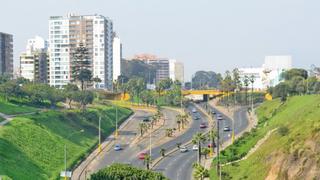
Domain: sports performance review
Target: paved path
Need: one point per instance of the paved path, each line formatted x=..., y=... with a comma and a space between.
x=9, y=118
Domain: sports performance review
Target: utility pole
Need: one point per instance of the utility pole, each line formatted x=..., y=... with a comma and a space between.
x=116, y=133
x=218, y=148
x=100, y=149
x=65, y=162
x=150, y=144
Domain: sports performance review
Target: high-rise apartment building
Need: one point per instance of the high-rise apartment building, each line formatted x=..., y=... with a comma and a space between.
x=66, y=33
x=117, y=56
x=34, y=61
x=163, y=68
x=176, y=70
x=6, y=54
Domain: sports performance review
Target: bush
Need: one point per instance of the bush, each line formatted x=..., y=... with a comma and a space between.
x=283, y=130
x=126, y=172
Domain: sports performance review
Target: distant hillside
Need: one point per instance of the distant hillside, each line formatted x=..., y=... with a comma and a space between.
x=292, y=151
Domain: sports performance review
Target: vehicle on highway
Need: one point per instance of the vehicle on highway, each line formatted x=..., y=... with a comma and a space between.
x=213, y=112
x=194, y=110
x=117, y=147
x=183, y=149
x=146, y=120
x=195, y=147
x=196, y=117
x=203, y=125
x=220, y=118
x=142, y=155
x=227, y=128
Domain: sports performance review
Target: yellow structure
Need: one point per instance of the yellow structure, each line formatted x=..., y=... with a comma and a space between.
x=202, y=92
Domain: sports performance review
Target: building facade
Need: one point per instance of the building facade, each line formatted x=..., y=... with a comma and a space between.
x=117, y=56
x=163, y=68
x=176, y=70
x=66, y=33
x=34, y=61
x=269, y=75
x=6, y=54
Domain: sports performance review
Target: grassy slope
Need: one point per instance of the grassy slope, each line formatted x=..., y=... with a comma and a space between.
x=32, y=147
x=10, y=108
x=300, y=114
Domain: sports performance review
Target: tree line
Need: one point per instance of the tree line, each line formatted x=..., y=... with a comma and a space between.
x=295, y=82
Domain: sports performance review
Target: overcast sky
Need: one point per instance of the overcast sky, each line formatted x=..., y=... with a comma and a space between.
x=204, y=34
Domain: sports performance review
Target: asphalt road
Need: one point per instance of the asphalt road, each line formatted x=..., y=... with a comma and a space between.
x=178, y=166
x=130, y=151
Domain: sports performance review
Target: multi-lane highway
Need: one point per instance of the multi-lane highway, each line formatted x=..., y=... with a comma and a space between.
x=130, y=147
x=178, y=166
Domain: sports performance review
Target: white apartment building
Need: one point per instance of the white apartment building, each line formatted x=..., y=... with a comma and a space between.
x=176, y=70
x=66, y=33
x=269, y=75
x=34, y=61
x=117, y=56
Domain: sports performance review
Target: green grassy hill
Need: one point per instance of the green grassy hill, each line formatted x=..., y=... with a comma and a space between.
x=291, y=152
x=32, y=146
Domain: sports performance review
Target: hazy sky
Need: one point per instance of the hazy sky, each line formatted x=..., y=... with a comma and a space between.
x=204, y=34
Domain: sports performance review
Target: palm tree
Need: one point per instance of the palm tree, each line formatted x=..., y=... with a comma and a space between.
x=212, y=136
x=198, y=139
x=199, y=172
x=205, y=152
x=252, y=78
x=246, y=84
x=147, y=161
x=162, y=152
x=142, y=127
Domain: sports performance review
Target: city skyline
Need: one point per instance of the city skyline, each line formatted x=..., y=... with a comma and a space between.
x=217, y=35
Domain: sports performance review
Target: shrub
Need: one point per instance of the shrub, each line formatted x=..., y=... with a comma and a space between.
x=123, y=171
x=283, y=130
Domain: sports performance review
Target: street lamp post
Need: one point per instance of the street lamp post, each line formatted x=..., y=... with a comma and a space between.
x=116, y=133
x=65, y=153
x=100, y=149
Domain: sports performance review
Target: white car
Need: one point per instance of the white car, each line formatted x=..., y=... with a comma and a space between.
x=183, y=149
x=227, y=128
x=194, y=110
x=195, y=147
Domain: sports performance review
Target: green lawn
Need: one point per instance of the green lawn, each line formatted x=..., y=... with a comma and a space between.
x=300, y=114
x=11, y=108
x=32, y=146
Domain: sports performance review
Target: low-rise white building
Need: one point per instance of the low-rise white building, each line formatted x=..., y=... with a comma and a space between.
x=269, y=75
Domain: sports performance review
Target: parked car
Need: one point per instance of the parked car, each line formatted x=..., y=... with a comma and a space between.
x=203, y=125
x=183, y=149
x=195, y=147
x=117, y=147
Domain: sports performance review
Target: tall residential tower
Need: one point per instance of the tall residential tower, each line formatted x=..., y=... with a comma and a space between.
x=65, y=35
x=6, y=54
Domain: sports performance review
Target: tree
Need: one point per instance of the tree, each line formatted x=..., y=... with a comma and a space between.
x=236, y=81
x=198, y=139
x=199, y=172
x=54, y=96
x=147, y=161
x=125, y=172
x=205, y=151
x=289, y=74
x=81, y=65
x=212, y=136
x=142, y=128
x=246, y=84
x=206, y=80
x=69, y=91
x=84, y=98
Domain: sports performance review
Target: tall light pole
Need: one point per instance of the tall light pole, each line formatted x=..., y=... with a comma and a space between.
x=150, y=143
x=116, y=133
x=100, y=149
x=65, y=153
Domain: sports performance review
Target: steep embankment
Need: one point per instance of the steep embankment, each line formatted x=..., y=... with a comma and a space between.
x=32, y=146
x=292, y=151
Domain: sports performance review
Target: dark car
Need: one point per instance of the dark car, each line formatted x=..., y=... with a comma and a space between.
x=203, y=125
